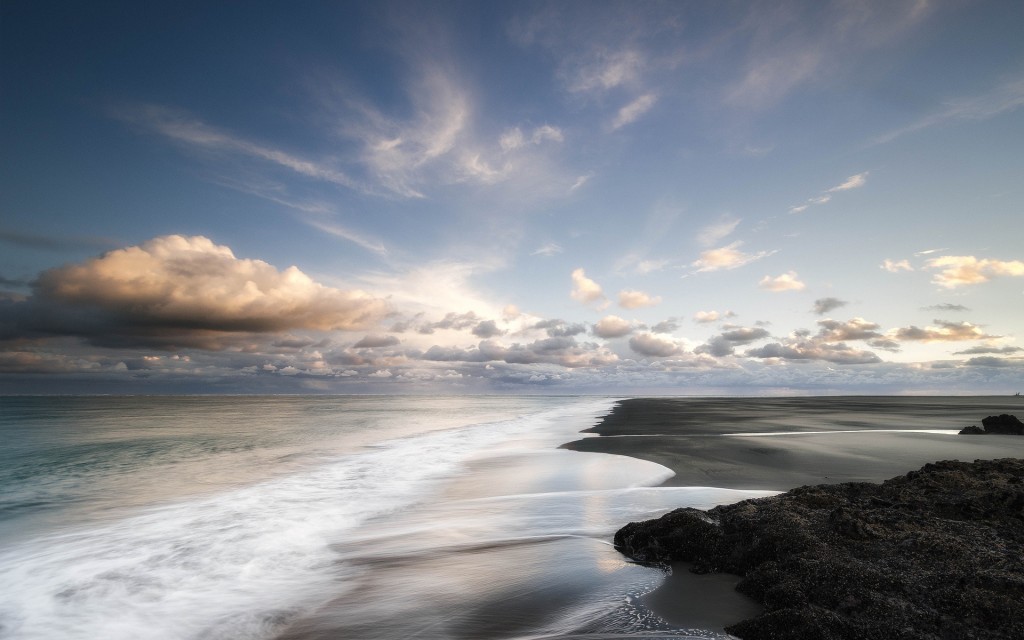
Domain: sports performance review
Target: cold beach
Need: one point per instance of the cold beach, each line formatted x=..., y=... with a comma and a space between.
x=391, y=517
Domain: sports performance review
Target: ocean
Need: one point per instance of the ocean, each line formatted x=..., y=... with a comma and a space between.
x=321, y=517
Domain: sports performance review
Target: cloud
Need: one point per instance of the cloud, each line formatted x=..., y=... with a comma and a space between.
x=788, y=281
x=666, y=326
x=514, y=138
x=893, y=266
x=716, y=231
x=183, y=128
x=548, y=249
x=1005, y=98
x=989, y=361
x=854, y=329
x=604, y=70
x=727, y=257
x=190, y=283
x=812, y=350
x=612, y=327
x=725, y=344
x=648, y=345
x=376, y=342
x=341, y=232
x=824, y=305
x=632, y=111
x=487, y=329
x=584, y=289
x=560, y=328
x=853, y=182
x=956, y=271
x=705, y=317
x=560, y=351
x=944, y=332
x=984, y=349
x=636, y=299
x=53, y=243
x=946, y=307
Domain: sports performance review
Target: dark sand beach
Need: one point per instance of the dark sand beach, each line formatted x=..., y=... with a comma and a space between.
x=783, y=443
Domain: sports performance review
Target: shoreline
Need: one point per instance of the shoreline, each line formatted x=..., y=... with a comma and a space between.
x=699, y=441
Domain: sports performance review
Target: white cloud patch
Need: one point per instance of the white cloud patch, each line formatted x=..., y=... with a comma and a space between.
x=853, y=182
x=633, y=111
x=895, y=266
x=629, y=299
x=957, y=271
x=584, y=289
x=612, y=327
x=706, y=317
x=548, y=249
x=727, y=257
x=192, y=283
x=788, y=281
x=717, y=231
x=604, y=70
x=514, y=138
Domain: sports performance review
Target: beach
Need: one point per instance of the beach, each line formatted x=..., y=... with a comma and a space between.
x=783, y=443
x=313, y=518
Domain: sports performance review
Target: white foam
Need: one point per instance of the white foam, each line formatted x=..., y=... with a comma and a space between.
x=238, y=564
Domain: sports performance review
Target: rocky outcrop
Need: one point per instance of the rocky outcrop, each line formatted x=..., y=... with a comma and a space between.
x=937, y=553
x=1002, y=424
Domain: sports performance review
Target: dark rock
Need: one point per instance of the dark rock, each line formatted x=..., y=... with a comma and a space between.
x=972, y=430
x=937, y=553
x=1004, y=424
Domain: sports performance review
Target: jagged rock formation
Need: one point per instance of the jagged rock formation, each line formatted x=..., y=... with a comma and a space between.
x=937, y=553
x=1002, y=424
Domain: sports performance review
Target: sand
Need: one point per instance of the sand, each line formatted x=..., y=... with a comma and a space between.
x=780, y=444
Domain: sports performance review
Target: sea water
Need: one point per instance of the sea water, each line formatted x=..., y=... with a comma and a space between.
x=321, y=517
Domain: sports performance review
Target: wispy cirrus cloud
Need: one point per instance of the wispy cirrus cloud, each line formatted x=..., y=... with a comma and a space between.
x=853, y=182
x=339, y=231
x=1005, y=98
x=181, y=127
x=633, y=111
x=717, y=231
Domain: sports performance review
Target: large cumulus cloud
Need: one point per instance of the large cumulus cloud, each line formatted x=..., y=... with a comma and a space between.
x=191, y=283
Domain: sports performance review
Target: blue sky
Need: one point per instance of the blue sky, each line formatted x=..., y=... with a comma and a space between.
x=640, y=197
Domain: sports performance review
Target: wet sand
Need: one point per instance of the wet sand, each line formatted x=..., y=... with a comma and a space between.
x=783, y=443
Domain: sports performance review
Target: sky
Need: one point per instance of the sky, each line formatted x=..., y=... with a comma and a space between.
x=710, y=198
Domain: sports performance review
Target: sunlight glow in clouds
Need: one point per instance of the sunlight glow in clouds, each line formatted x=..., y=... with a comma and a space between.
x=584, y=289
x=727, y=257
x=956, y=271
x=436, y=171
x=191, y=282
x=788, y=281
